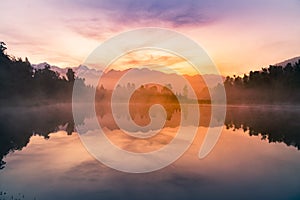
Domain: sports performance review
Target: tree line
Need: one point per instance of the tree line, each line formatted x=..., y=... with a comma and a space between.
x=22, y=84
x=274, y=84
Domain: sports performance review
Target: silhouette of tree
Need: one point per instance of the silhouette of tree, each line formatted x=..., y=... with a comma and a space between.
x=2, y=47
x=71, y=75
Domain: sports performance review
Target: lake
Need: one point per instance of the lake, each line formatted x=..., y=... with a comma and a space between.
x=256, y=157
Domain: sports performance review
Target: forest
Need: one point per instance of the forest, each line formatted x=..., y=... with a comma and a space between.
x=21, y=84
x=275, y=84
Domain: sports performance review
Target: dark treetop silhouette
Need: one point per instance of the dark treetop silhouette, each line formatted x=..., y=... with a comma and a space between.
x=272, y=123
x=22, y=84
x=275, y=84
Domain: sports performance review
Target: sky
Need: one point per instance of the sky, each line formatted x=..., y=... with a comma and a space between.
x=239, y=36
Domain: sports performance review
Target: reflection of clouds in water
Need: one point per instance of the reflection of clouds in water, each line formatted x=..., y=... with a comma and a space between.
x=138, y=145
x=127, y=155
x=162, y=138
x=90, y=171
x=108, y=179
x=141, y=145
x=120, y=151
x=238, y=163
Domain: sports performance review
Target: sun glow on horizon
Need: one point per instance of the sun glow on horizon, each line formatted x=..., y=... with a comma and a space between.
x=155, y=60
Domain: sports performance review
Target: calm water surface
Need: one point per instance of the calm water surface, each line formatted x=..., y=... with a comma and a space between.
x=257, y=156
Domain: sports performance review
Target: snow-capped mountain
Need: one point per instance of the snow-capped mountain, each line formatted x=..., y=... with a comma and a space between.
x=291, y=60
x=137, y=76
x=91, y=76
x=61, y=71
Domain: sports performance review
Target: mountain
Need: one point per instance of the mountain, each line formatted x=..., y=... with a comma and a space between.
x=61, y=71
x=291, y=60
x=137, y=76
x=91, y=76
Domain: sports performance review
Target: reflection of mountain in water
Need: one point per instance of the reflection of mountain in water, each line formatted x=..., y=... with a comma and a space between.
x=273, y=123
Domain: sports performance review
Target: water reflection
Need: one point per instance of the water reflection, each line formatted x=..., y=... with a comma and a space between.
x=19, y=124
x=60, y=167
x=273, y=123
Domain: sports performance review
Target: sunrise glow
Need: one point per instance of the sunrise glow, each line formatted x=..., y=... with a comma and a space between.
x=237, y=35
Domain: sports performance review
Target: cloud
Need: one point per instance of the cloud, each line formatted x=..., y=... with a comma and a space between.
x=176, y=12
x=99, y=20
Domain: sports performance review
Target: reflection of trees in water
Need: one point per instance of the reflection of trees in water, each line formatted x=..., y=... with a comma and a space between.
x=138, y=112
x=273, y=124
x=19, y=124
